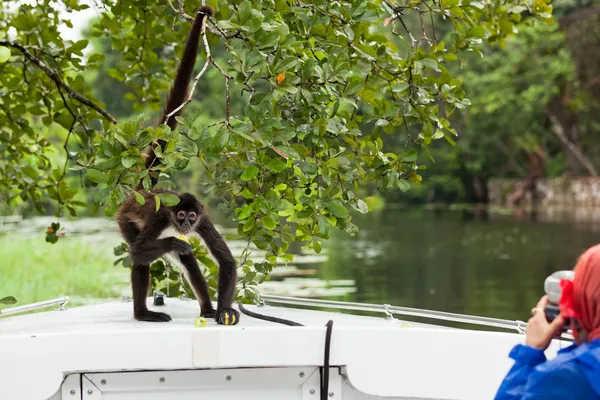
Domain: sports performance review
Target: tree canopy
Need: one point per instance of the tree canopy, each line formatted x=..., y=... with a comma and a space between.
x=310, y=91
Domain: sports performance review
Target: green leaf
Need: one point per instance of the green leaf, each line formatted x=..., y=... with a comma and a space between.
x=317, y=247
x=476, y=32
x=244, y=11
x=336, y=208
x=4, y=54
x=245, y=212
x=276, y=166
x=269, y=222
x=287, y=64
x=400, y=86
x=355, y=85
x=430, y=63
x=129, y=161
x=220, y=140
x=247, y=194
x=168, y=199
x=438, y=134
x=157, y=202
x=8, y=300
x=403, y=185
x=410, y=156
x=96, y=176
x=139, y=198
x=250, y=173
x=362, y=206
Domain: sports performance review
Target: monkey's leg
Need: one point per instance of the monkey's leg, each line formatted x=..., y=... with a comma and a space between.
x=225, y=315
x=227, y=281
x=140, y=283
x=194, y=276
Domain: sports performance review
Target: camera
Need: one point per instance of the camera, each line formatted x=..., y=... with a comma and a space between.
x=554, y=292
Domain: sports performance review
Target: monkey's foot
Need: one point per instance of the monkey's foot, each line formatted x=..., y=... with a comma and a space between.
x=227, y=316
x=152, y=316
x=209, y=313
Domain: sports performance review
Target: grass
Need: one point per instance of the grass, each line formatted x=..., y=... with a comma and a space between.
x=33, y=270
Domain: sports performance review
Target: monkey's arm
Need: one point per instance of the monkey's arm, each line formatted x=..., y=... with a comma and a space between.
x=145, y=251
x=227, y=271
x=147, y=247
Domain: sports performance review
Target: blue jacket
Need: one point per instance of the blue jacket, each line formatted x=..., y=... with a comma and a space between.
x=574, y=374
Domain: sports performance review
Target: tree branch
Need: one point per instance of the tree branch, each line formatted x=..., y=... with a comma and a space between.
x=558, y=129
x=59, y=82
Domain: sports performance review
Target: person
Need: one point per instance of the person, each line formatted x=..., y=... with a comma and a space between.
x=574, y=373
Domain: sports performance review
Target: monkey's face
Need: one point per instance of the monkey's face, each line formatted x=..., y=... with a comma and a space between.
x=186, y=220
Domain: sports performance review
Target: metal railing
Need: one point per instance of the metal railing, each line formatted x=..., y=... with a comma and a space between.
x=60, y=301
x=386, y=309
x=390, y=310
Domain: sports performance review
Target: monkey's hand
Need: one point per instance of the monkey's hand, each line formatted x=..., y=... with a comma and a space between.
x=179, y=246
x=153, y=316
x=208, y=313
x=227, y=316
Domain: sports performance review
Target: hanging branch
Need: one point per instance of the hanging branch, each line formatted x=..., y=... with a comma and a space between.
x=59, y=82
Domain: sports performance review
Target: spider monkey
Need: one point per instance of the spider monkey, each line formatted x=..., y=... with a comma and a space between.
x=151, y=234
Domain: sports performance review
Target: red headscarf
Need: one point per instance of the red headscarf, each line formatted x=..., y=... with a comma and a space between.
x=581, y=298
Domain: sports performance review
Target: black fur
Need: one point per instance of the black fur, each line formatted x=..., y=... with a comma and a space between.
x=141, y=225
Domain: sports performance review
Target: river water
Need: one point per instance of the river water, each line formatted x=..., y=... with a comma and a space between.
x=458, y=261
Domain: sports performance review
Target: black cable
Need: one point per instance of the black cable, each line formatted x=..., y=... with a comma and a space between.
x=325, y=368
x=267, y=317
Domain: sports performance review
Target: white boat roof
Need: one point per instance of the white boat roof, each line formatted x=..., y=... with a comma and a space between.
x=118, y=315
x=430, y=361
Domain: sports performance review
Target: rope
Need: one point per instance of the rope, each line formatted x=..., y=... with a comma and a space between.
x=325, y=369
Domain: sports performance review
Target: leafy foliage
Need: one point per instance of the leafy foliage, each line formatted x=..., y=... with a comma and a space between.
x=323, y=83
x=510, y=90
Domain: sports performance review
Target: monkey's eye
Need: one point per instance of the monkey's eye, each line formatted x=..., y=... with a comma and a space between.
x=192, y=216
x=181, y=215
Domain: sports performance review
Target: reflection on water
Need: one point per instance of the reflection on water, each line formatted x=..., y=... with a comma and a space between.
x=457, y=261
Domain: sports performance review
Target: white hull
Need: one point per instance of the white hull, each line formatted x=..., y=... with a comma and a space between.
x=99, y=352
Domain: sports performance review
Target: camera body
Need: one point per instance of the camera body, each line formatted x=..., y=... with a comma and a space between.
x=554, y=292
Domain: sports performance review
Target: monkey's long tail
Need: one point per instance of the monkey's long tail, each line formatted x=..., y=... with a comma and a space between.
x=180, y=88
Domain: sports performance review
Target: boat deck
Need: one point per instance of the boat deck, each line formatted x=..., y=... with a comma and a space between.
x=118, y=315
x=378, y=356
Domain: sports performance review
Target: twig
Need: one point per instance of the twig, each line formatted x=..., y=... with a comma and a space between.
x=180, y=11
x=54, y=76
x=217, y=30
x=227, y=102
x=75, y=117
x=215, y=124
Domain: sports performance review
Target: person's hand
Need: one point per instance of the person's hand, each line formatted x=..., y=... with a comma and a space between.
x=539, y=332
